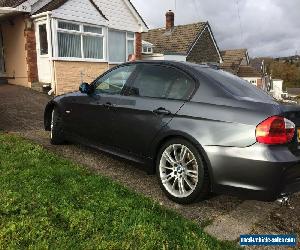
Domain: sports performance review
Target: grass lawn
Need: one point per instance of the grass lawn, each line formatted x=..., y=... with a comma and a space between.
x=49, y=202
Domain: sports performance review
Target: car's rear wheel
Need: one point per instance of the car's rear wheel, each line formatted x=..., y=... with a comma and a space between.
x=56, y=132
x=181, y=171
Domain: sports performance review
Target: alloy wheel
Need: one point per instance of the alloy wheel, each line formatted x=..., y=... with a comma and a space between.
x=178, y=169
x=52, y=124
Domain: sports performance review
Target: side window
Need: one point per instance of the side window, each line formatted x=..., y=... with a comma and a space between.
x=113, y=82
x=158, y=81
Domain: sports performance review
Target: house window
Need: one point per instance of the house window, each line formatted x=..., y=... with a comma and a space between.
x=130, y=43
x=43, y=39
x=120, y=45
x=80, y=41
x=147, y=50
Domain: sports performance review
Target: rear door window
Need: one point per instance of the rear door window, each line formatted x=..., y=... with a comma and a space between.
x=157, y=81
x=235, y=85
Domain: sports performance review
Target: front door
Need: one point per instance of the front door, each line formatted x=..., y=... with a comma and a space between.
x=155, y=97
x=42, y=48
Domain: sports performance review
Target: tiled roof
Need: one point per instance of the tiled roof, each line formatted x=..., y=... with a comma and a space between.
x=52, y=5
x=178, y=40
x=11, y=3
x=232, y=59
x=248, y=71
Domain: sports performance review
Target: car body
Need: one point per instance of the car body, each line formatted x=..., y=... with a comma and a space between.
x=215, y=112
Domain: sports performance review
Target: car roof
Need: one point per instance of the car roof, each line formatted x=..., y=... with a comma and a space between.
x=175, y=63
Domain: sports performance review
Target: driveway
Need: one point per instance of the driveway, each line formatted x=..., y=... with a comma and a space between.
x=21, y=109
x=225, y=217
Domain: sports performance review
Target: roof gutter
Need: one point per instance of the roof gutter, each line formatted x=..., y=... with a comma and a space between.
x=10, y=10
x=47, y=13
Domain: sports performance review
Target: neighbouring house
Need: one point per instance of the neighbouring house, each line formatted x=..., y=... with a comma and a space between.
x=61, y=43
x=276, y=89
x=233, y=59
x=192, y=43
x=251, y=75
x=237, y=62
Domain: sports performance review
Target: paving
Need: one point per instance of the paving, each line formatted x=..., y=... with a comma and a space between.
x=21, y=109
x=224, y=217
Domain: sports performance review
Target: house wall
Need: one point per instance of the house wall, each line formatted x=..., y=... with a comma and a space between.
x=256, y=81
x=69, y=74
x=277, y=89
x=138, y=45
x=204, y=51
x=80, y=11
x=119, y=15
x=14, y=50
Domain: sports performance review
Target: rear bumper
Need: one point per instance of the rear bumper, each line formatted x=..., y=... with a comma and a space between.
x=257, y=172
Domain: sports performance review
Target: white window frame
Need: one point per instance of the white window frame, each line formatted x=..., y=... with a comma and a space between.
x=81, y=33
x=130, y=39
x=126, y=45
x=146, y=51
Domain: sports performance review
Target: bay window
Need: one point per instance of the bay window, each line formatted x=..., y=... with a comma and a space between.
x=120, y=45
x=80, y=41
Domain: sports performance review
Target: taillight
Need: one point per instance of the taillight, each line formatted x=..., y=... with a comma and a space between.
x=275, y=130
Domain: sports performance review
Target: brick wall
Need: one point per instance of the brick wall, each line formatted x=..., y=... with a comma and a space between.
x=30, y=50
x=69, y=75
x=204, y=51
x=138, y=45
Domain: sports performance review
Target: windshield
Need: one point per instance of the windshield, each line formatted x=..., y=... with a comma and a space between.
x=235, y=85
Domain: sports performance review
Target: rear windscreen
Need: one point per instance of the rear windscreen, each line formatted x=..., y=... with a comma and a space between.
x=235, y=85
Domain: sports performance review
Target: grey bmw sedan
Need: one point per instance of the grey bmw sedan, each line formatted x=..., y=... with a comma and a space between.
x=198, y=128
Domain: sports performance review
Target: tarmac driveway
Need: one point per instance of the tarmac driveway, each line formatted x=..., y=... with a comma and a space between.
x=21, y=112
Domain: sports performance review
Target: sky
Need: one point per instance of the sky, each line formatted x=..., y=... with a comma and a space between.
x=264, y=27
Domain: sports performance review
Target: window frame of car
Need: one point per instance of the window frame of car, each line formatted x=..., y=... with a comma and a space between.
x=165, y=65
x=125, y=86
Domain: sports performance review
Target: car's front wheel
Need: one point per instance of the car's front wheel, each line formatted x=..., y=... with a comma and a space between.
x=56, y=132
x=181, y=171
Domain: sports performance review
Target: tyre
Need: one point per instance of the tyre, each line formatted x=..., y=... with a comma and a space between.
x=56, y=132
x=182, y=173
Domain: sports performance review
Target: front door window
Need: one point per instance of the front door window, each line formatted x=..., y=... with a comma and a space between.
x=113, y=82
x=43, y=39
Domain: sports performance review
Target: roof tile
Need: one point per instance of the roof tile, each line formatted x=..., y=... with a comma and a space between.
x=177, y=40
x=11, y=3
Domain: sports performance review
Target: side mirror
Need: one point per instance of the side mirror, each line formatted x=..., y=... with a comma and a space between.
x=86, y=88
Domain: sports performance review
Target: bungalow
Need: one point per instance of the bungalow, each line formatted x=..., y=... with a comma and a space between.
x=192, y=43
x=237, y=62
x=60, y=43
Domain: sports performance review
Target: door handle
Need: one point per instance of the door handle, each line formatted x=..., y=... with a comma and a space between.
x=161, y=111
x=108, y=105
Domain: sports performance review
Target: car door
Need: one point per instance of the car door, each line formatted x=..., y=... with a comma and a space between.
x=156, y=94
x=90, y=115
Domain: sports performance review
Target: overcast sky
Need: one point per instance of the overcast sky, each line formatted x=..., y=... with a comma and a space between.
x=266, y=27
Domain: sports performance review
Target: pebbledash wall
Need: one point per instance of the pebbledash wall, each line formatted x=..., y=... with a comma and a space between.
x=14, y=51
x=70, y=74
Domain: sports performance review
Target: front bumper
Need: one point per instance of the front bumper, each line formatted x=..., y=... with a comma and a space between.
x=258, y=172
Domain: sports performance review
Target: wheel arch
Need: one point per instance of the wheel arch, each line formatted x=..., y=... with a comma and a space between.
x=177, y=134
x=47, y=114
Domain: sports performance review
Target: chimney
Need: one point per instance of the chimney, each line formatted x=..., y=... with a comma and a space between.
x=170, y=20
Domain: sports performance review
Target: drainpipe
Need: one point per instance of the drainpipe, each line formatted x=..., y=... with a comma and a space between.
x=50, y=51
